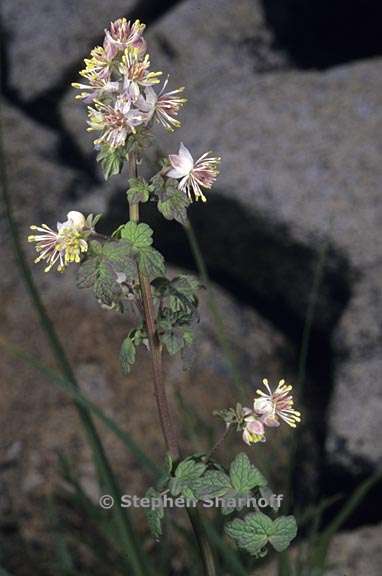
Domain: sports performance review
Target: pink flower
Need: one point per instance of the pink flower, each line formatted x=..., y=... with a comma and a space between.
x=116, y=122
x=136, y=73
x=123, y=34
x=253, y=431
x=96, y=89
x=163, y=106
x=193, y=175
x=277, y=404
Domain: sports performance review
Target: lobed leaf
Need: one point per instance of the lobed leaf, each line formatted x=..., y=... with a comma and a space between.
x=245, y=476
x=139, y=235
x=284, y=531
x=256, y=530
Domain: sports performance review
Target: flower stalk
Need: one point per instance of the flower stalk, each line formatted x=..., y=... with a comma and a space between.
x=165, y=417
x=167, y=425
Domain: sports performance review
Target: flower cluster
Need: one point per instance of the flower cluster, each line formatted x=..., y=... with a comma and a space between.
x=124, y=104
x=120, y=87
x=268, y=408
x=67, y=244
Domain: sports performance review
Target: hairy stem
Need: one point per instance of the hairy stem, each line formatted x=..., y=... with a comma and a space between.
x=219, y=442
x=167, y=425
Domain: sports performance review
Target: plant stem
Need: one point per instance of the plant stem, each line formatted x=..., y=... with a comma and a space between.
x=167, y=425
x=219, y=442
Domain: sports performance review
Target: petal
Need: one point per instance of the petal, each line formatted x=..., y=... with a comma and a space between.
x=186, y=157
x=270, y=421
x=176, y=173
x=255, y=427
x=262, y=406
x=76, y=219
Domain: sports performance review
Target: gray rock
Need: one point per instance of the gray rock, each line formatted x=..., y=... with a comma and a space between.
x=352, y=553
x=301, y=156
x=43, y=44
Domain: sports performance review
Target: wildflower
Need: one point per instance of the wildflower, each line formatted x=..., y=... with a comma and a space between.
x=116, y=122
x=100, y=63
x=96, y=89
x=193, y=175
x=64, y=246
x=163, y=106
x=123, y=34
x=277, y=404
x=135, y=72
x=253, y=431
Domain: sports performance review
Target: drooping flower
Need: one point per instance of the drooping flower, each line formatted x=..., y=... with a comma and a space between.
x=253, y=430
x=193, y=175
x=64, y=246
x=163, y=106
x=123, y=34
x=135, y=72
x=271, y=406
x=116, y=122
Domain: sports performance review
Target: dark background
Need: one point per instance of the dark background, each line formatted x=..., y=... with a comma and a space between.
x=288, y=92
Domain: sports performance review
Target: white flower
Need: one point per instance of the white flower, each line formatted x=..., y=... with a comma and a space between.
x=64, y=246
x=277, y=404
x=193, y=175
x=164, y=107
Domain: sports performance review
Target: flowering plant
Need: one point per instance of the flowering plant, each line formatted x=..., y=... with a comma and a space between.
x=125, y=271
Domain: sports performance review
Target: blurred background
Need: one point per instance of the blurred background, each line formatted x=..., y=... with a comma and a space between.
x=289, y=94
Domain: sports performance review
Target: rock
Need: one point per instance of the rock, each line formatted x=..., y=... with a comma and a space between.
x=300, y=170
x=356, y=552
x=44, y=45
x=350, y=554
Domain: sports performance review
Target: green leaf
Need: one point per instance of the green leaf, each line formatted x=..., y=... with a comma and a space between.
x=106, y=289
x=155, y=513
x=118, y=255
x=256, y=530
x=127, y=355
x=174, y=207
x=213, y=484
x=139, y=190
x=186, y=473
x=111, y=160
x=186, y=285
x=168, y=463
x=252, y=533
x=105, y=268
x=189, y=469
x=173, y=341
x=284, y=531
x=151, y=262
x=139, y=235
x=245, y=476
